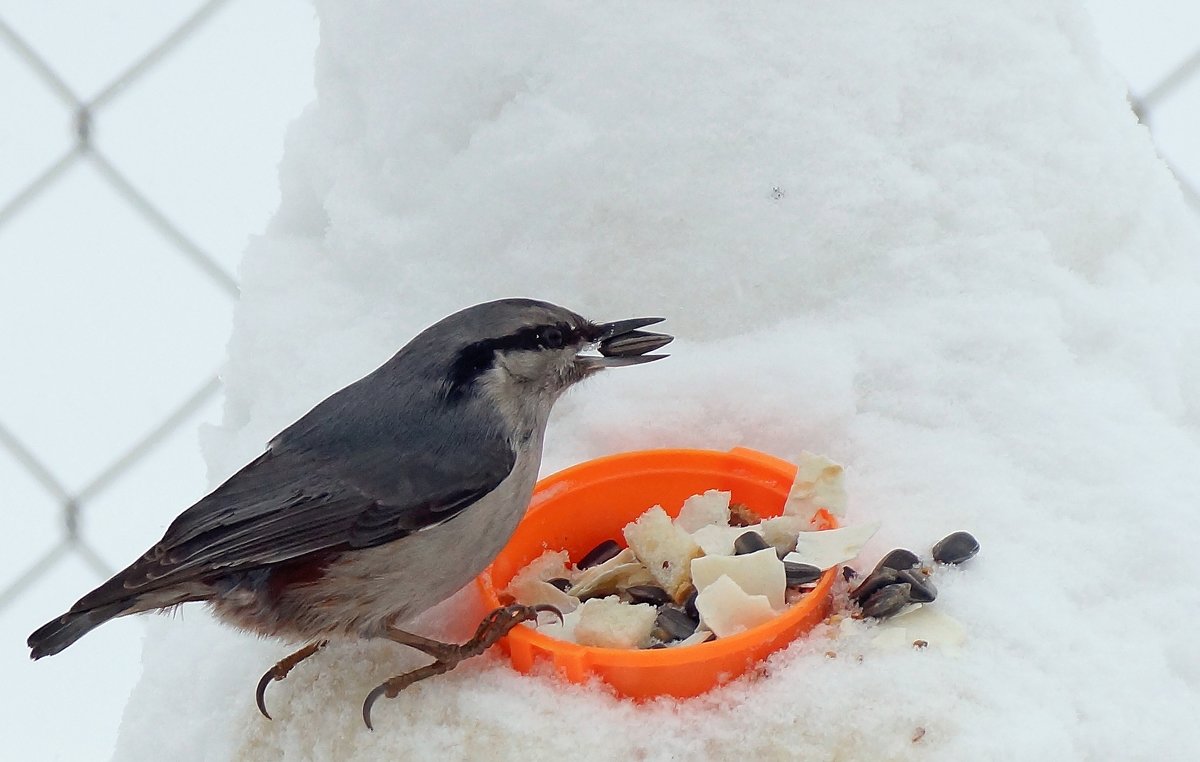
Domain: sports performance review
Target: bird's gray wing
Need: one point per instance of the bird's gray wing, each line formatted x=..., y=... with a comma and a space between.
x=285, y=505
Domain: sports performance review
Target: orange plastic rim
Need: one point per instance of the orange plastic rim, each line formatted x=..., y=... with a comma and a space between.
x=576, y=509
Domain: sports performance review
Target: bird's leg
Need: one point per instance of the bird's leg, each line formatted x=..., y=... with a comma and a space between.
x=435, y=648
x=281, y=670
x=447, y=655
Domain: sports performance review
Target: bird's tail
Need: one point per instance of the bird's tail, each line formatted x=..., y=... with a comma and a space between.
x=59, y=633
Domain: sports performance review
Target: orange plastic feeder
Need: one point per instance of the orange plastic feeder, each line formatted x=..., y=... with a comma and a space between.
x=577, y=509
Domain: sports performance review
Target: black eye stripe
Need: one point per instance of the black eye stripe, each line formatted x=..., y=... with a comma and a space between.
x=555, y=336
x=476, y=358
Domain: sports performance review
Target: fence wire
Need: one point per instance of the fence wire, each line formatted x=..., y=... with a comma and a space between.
x=83, y=114
x=1145, y=104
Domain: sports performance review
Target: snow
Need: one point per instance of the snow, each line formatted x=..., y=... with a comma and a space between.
x=929, y=240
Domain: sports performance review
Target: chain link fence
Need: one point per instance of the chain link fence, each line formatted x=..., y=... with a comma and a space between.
x=83, y=114
x=137, y=154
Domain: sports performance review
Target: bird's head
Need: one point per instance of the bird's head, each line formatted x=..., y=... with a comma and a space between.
x=522, y=354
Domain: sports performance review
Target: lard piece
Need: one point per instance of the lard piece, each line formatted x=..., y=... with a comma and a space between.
x=717, y=540
x=726, y=609
x=921, y=623
x=758, y=573
x=614, y=575
x=830, y=547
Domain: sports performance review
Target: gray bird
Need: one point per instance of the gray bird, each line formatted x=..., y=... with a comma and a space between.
x=383, y=500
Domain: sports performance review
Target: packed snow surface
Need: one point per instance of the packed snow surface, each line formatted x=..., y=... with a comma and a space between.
x=927, y=239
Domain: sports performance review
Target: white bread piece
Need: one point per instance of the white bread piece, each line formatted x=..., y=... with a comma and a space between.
x=758, y=573
x=701, y=510
x=665, y=550
x=611, y=623
x=726, y=609
x=819, y=483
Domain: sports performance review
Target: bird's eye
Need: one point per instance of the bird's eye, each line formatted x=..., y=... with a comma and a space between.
x=552, y=337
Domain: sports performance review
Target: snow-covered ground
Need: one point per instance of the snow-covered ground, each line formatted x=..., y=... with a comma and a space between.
x=929, y=240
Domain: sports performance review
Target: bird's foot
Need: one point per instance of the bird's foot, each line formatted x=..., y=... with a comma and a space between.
x=498, y=623
x=494, y=626
x=281, y=670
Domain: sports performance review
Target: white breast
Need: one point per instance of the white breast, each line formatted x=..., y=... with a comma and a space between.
x=368, y=589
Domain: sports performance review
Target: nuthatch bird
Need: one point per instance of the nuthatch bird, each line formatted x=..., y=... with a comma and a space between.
x=383, y=500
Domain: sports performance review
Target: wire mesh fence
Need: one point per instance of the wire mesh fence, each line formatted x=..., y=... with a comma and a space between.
x=83, y=113
x=137, y=153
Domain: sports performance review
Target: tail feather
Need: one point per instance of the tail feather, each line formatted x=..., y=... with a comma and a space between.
x=59, y=633
x=112, y=599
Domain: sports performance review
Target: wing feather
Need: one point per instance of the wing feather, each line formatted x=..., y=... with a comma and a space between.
x=286, y=505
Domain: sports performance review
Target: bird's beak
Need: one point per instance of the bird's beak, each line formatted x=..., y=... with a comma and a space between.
x=621, y=343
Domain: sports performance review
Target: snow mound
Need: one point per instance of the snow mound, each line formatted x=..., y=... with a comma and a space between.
x=929, y=240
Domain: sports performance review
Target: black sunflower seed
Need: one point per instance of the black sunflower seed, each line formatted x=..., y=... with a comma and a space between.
x=923, y=591
x=899, y=559
x=887, y=601
x=749, y=542
x=673, y=624
x=800, y=574
x=955, y=548
x=876, y=580
x=599, y=554
x=689, y=605
x=652, y=594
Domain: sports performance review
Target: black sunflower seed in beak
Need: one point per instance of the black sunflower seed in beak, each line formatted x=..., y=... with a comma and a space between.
x=634, y=343
x=622, y=343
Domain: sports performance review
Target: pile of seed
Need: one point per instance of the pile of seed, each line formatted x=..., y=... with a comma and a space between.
x=899, y=579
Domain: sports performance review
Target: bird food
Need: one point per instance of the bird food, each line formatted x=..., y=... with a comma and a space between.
x=899, y=583
x=575, y=510
x=955, y=548
x=715, y=570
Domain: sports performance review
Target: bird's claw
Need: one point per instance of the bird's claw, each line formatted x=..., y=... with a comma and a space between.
x=546, y=608
x=493, y=627
x=261, y=691
x=498, y=622
x=280, y=671
x=391, y=688
x=379, y=690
